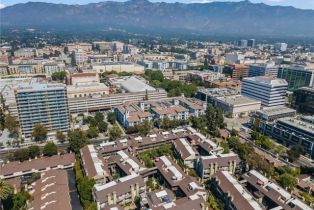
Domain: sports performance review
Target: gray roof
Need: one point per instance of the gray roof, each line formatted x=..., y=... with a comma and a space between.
x=135, y=85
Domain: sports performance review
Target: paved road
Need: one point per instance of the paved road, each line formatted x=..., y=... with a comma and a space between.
x=75, y=200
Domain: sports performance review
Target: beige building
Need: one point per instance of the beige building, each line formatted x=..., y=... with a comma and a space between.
x=86, y=89
x=118, y=67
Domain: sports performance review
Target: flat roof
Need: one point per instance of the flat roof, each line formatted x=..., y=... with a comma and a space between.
x=276, y=110
x=238, y=100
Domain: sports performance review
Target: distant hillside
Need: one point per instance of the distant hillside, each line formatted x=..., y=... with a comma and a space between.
x=227, y=18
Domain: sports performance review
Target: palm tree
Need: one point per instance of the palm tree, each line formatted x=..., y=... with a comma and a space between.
x=5, y=191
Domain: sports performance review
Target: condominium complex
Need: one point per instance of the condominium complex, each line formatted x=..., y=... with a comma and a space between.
x=269, y=90
x=42, y=103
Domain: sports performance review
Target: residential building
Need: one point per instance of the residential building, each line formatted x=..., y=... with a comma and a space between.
x=122, y=191
x=37, y=165
x=239, y=71
x=297, y=76
x=25, y=52
x=185, y=152
x=270, y=194
x=232, y=193
x=263, y=69
x=42, y=103
x=207, y=166
x=271, y=91
x=51, y=191
x=303, y=100
x=132, y=115
x=85, y=77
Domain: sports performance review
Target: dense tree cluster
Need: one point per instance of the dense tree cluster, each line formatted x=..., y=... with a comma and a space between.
x=59, y=76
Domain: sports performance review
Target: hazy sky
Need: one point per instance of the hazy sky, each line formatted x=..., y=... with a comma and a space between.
x=305, y=4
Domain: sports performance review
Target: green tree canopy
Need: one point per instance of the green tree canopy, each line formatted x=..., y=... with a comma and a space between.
x=60, y=136
x=39, y=132
x=33, y=151
x=99, y=117
x=102, y=126
x=11, y=124
x=144, y=127
x=77, y=140
x=5, y=190
x=111, y=117
x=50, y=149
x=58, y=76
x=295, y=152
x=114, y=133
x=92, y=132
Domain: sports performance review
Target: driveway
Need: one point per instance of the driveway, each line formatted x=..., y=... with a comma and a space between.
x=75, y=200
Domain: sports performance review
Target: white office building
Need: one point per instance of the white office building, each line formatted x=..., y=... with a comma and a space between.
x=271, y=91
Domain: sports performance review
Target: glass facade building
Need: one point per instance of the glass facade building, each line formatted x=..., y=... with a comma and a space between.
x=303, y=100
x=42, y=104
x=296, y=76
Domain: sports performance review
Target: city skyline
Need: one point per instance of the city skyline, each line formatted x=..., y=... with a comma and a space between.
x=302, y=4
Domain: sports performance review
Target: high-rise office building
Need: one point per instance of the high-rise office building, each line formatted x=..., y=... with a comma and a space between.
x=303, y=100
x=297, y=76
x=251, y=43
x=243, y=43
x=42, y=103
x=281, y=47
x=263, y=69
x=271, y=91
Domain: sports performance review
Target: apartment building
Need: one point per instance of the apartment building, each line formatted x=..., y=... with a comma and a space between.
x=42, y=103
x=121, y=191
x=232, y=193
x=185, y=152
x=207, y=166
x=270, y=194
x=51, y=191
x=36, y=165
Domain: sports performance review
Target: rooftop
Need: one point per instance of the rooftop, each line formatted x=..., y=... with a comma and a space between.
x=238, y=100
x=267, y=80
x=135, y=85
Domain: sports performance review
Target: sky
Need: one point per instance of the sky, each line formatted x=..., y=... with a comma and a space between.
x=304, y=4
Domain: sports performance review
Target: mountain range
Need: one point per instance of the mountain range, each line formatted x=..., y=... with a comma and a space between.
x=228, y=18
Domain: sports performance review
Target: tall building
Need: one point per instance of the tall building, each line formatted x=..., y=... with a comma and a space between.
x=303, y=100
x=243, y=43
x=297, y=76
x=271, y=91
x=251, y=43
x=263, y=69
x=79, y=57
x=42, y=103
x=281, y=47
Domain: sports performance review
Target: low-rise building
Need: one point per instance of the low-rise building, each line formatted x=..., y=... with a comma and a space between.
x=51, y=191
x=237, y=106
x=118, y=67
x=271, y=194
x=207, y=166
x=121, y=191
x=185, y=152
x=36, y=165
x=232, y=193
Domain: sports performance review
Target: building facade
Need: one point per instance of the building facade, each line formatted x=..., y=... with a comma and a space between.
x=42, y=104
x=303, y=100
x=269, y=90
x=297, y=76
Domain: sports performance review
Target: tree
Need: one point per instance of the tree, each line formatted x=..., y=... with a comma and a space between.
x=33, y=151
x=39, y=132
x=114, y=133
x=144, y=127
x=60, y=136
x=84, y=187
x=102, y=126
x=214, y=120
x=77, y=140
x=5, y=190
x=99, y=117
x=11, y=124
x=287, y=180
x=2, y=119
x=206, y=64
x=111, y=117
x=225, y=146
x=21, y=154
x=295, y=152
x=58, y=76
x=92, y=132
x=234, y=132
x=50, y=149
